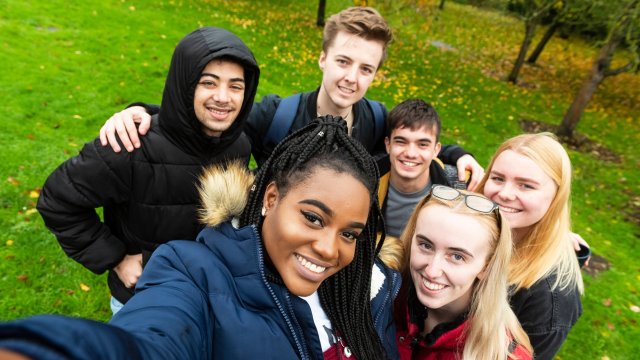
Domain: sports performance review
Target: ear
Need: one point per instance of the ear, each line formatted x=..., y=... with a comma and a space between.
x=271, y=196
x=437, y=148
x=322, y=60
x=387, y=143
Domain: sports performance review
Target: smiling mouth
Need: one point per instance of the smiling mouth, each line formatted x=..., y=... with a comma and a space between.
x=509, y=210
x=310, y=266
x=409, y=163
x=432, y=286
x=347, y=90
x=218, y=111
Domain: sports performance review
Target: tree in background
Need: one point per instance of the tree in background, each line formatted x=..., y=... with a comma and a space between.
x=532, y=13
x=321, y=6
x=624, y=30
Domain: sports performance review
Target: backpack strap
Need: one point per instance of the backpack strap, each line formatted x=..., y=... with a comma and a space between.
x=282, y=120
x=378, y=117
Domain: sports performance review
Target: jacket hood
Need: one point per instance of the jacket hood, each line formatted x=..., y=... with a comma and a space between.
x=177, y=115
x=224, y=190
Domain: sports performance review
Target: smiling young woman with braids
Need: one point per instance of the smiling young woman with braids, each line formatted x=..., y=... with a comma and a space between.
x=290, y=277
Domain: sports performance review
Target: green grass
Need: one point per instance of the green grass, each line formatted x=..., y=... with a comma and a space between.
x=67, y=67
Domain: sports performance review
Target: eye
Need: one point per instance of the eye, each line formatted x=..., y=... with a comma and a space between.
x=527, y=186
x=367, y=70
x=458, y=257
x=312, y=218
x=351, y=236
x=497, y=179
x=207, y=84
x=237, y=87
x=425, y=245
x=341, y=61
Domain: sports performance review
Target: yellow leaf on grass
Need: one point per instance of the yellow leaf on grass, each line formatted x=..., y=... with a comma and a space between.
x=34, y=194
x=9, y=242
x=84, y=287
x=76, y=116
x=30, y=211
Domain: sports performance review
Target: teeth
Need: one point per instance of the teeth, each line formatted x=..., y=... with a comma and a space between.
x=347, y=89
x=311, y=266
x=508, y=209
x=409, y=163
x=432, y=286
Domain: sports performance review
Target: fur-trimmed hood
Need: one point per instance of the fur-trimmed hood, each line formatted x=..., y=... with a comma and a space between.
x=224, y=190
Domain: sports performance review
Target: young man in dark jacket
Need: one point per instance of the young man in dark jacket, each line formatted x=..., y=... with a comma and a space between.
x=149, y=196
x=354, y=47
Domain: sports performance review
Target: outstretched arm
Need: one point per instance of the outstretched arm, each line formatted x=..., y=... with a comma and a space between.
x=168, y=318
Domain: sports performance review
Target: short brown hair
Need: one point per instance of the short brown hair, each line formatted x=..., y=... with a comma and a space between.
x=414, y=114
x=364, y=22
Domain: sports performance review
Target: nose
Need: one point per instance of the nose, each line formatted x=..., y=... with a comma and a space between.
x=507, y=192
x=326, y=247
x=410, y=150
x=433, y=270
x=221, y=95
x=352, y=74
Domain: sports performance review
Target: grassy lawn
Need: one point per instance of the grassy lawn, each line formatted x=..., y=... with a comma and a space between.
x=66, y=67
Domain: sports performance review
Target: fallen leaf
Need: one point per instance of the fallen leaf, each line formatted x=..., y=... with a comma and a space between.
x=13, y=181
x=84, y=287
x=634, y=308
x=76, y=116
x=9, y=242
x=34, y=193
x=31, y=211
x=611, y=326
x=607, y=302
x=23, y=277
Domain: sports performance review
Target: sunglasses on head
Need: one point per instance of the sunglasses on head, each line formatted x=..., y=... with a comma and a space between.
x=472, y=201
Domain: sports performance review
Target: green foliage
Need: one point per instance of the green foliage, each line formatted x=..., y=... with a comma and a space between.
x=67, y=66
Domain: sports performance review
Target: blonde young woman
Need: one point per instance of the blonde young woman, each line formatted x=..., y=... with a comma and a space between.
x=453, y=303
x=529, y=177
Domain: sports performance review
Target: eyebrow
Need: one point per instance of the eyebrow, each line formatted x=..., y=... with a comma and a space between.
x=218, y=77
x=521, y=179
x=465, y=251
x=398, y=137
x=322, y=206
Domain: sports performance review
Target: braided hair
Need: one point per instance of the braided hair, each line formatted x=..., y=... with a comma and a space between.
x=345, y=295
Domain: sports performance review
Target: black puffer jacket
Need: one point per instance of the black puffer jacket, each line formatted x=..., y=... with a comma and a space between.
x=149, y=196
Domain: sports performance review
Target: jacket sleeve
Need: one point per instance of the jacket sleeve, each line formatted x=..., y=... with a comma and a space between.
x=258, y=124
x=169, y=314
x=547, y=317
x=68, y=200
x=449, y=154
x=168, y=318
x=152, y=109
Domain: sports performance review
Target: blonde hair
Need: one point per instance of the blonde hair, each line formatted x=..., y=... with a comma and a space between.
x=492, y=324
x=364, y=22
x=544, y=248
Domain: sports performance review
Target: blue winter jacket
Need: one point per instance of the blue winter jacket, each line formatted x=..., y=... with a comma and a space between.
x=204, y=299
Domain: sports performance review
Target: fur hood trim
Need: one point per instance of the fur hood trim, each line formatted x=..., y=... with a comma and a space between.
x=224, y=190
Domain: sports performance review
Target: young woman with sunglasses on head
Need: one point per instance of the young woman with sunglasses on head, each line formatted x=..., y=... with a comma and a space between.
x=453, y=302
x=292, y=281
x=529, y=177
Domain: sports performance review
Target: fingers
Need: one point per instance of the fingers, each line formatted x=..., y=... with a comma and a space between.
x=467, y=164
x=144, y=121
x=121, y=125
x=107, y=135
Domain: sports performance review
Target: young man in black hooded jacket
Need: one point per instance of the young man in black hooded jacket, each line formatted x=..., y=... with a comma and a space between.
x=149, y=196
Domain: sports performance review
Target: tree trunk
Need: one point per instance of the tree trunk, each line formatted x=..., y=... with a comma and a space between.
x=543, y=42
x=441, y=6
x=321, y=6
x=598, y=72
x=529, y=31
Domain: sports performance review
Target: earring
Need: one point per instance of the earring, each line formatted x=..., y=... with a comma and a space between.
x=264, y=211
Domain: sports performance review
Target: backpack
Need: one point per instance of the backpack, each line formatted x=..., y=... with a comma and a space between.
x=286, y=112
